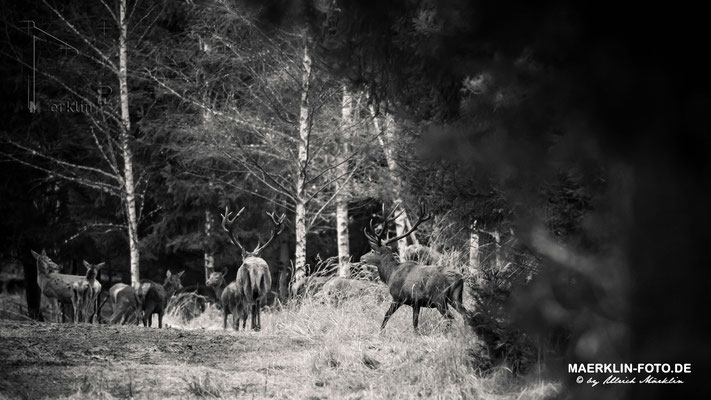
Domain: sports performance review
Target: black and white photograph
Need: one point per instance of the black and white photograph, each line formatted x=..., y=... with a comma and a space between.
x=354, y=199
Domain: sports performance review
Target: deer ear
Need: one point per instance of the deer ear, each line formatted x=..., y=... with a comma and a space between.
x=180, y=274
x=167, y=274
x=44, y=253
x=99, y=266
x=35, y=255
x=86, y=264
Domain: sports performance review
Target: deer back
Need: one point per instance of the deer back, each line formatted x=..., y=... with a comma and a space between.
x=232, y=299
x=413, y=283
x=59, y=286
x=254, y=279
x=122, y=294
x=150, y=294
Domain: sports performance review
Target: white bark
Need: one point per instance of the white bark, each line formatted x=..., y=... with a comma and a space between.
x=497, y=249
x=386, y=138
x=285, y=262
x=342, y=199
x=301, y=196
x=128, y=183
x=473, y=249
x=209, y=258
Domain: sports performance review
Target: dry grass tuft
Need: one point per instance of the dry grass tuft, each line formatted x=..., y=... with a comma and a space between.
x=204, y=386
x=343, y=353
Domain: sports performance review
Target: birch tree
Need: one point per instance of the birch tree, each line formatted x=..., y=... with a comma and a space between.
x=386, y=135
x=104, y=125
x=274, y=120
x=342, y=200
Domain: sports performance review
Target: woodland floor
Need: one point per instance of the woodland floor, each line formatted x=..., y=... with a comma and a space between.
x=57, y=360
x=311, y=351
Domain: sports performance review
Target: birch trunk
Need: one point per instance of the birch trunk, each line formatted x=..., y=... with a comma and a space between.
x=128, y=183
x=207, y=125
x=473, y=250
x=497, y=249
x=209, y=258
x=285, y=263
x=342, y=199
x=301, y=198
x=386, y=138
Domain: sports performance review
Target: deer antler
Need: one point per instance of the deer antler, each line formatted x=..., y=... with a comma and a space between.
x=424, y=216
x=278, y=227
x=227, y=222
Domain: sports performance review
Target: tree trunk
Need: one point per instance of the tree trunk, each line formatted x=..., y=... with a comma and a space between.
x=128, y=184
x=386, y=138
x=33, y=294
x=342, y=199
x=301, y=198
x=209, y=258
x=285, y=264
x=497, y=249
x=300, y=253
x=473, y=250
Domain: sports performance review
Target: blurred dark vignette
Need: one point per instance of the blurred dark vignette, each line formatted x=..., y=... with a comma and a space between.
x=625, y=91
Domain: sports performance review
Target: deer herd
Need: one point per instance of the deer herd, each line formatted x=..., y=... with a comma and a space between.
x=409, y=282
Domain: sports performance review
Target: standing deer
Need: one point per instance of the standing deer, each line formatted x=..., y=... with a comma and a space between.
x=56, y=287
x=411, y=283
x=253, y=280
x=230, y=299
x=152, y=298
x=85, y=294
x=123, y=300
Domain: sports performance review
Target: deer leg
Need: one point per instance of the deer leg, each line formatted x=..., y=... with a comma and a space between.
x=160, y=320
x=57, y=307
x=259, y=316
x=393, y=307
x=76, y=306
x=415, y=316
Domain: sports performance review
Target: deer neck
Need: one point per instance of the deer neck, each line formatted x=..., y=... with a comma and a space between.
x=170, y=290
x=219, y=288
x=387, y=266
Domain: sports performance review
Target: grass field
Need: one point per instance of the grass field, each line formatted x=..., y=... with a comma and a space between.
x=313, y=350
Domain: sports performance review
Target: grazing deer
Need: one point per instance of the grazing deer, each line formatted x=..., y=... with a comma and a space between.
x=56, y=287
x=123, y=300
x=85, y=294
x=152, y=298
x=253, y=278
x=411, y=283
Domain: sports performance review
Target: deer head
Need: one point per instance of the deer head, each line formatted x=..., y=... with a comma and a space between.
x=216, y=278
x=376, y=239
x=45, y=265
x=228, y=222
x=172, y=282
x=92, y=270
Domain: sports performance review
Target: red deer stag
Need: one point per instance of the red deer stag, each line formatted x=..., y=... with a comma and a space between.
x=253, y=278
x=230, y=298
x=56, y=287
x=411, y=283
x=152, y=297
x=85, y=294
